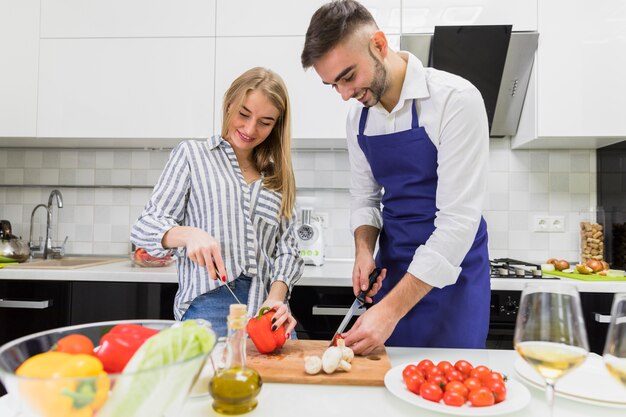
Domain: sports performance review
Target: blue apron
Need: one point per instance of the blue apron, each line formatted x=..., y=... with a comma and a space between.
x=405, y=165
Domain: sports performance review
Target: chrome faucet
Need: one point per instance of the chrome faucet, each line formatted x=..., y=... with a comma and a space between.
x=48, y=249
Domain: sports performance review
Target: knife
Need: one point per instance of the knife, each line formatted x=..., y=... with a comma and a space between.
x=358, y=303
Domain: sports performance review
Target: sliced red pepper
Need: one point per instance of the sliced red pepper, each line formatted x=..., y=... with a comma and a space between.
x=120, y=344
x=260, y=331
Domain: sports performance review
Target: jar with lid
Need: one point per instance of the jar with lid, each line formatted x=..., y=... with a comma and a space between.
x=592, y=235
x=234, y=386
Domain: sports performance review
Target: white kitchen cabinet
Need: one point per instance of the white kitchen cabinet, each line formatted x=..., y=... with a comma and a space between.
x=147, y=88
x=288, y=17
x=318, y=112
x=19, y=50
x=122, y=18
x=576, y=93
x=421, y=16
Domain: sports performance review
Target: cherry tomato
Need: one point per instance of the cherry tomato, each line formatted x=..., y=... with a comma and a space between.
x=440, y=380
x=498, y=388
x=454, y=375
x=432, y=372
x=472, y=383
x=425, y=364
x=75, y=343
x=493, y=376
x=463, y=367
x=432, y=392
x=480, y=372
x=410, y=370
x=457, y=387
x=481, y=397
x=445, y=366
x=413, y=382
x=453, y=398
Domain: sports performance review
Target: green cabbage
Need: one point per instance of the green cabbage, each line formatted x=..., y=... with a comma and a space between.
x=165, y=372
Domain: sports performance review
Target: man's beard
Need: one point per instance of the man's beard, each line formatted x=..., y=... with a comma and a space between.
x=379, y=83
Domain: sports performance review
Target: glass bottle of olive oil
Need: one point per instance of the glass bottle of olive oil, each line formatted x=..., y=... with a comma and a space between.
x=234, y=387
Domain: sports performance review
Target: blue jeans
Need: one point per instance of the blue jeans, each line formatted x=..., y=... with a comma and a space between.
x=214, y=305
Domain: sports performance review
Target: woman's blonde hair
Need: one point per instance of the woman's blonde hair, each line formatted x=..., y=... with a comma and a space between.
x=273, y=156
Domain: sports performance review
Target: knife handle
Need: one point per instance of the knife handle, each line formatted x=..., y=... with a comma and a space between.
x=370, y=282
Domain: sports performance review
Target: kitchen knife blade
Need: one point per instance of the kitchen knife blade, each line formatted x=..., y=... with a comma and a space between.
x=358, y=303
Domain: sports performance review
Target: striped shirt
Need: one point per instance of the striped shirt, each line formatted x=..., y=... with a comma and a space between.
x=202, y=186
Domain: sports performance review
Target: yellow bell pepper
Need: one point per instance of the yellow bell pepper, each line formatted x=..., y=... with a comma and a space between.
x=52, y=391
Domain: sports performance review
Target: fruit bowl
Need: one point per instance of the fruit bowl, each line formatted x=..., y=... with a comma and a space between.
x=155, y=382
x=142, y=258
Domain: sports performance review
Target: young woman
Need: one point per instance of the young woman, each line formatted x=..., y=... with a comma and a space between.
x=227, y=205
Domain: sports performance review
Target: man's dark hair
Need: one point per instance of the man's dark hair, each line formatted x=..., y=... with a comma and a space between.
x=331, y=24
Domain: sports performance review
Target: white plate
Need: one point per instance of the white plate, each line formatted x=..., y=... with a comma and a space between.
x=589, y=383
x=517, y=397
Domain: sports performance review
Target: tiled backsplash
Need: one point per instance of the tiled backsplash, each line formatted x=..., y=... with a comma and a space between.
x=105, y=190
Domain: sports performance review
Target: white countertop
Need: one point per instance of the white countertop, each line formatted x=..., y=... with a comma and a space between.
x=277, y=400
x=334, y=273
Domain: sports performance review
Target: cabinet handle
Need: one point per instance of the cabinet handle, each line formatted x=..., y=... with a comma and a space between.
x=602, y=318
x=334, y=311
x=34, y=305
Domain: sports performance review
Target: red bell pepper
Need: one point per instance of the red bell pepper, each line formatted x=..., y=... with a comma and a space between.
x=120, y=344
x=260, y=330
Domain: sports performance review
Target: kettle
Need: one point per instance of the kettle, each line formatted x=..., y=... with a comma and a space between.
x=12, y=248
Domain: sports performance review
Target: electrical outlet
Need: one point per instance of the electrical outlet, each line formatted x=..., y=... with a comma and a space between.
x=541, y=224
x=557, y=224
x=324, y=218
x=554, y=224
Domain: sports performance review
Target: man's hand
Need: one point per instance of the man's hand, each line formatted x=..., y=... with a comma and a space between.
x=360, y=277
x=371, y=330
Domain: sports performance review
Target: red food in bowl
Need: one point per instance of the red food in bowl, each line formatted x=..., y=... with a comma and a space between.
x=143, y=258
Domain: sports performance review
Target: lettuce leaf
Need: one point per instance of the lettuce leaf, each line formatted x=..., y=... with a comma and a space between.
x=161, y=372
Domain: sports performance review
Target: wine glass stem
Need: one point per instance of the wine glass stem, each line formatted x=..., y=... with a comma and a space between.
x=550, y=396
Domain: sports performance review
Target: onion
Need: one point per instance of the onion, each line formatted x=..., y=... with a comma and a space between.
x=561, y=264
x=547, y=267
x=605, y=265
x=595, y=265
x=551, y=261
x=583, y=269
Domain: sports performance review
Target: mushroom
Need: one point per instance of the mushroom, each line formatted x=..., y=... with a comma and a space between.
x=312, y=364
x=333, y=360
x=346, y=353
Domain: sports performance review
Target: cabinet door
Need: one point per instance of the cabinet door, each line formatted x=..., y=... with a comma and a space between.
x=31, y=306
x=19, y=49
x=103, y=301
x=581, y=56
x=290, y=18
x=318, y=112
x=122, y=18
x=126, y=88
x=421, y=16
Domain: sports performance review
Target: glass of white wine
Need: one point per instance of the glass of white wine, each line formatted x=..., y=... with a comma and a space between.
x=615, y=346
x=550, y=331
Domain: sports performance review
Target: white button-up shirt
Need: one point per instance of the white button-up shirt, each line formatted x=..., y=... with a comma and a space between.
x=452, y=112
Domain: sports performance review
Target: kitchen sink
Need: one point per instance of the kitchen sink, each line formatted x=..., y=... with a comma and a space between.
x=70, y=262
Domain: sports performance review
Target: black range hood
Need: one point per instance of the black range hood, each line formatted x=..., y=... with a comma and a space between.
x=495, y=59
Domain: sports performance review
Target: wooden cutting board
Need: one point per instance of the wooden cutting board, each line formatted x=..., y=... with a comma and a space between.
x=287, y=365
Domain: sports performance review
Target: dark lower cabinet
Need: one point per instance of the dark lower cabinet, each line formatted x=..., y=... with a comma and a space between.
x=30, y=306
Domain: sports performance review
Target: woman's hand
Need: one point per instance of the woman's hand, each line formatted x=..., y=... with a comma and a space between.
x=202, y=248
x=281, y=316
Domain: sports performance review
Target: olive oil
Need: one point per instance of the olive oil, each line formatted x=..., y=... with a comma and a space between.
x=234, y=387
x=234, y=390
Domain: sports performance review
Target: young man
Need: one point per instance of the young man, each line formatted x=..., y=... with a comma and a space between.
x=418, y=142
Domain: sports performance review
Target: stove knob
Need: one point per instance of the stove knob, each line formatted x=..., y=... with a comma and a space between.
x=509, y=307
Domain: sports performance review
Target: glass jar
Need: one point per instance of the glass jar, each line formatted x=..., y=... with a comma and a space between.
x=592, y=235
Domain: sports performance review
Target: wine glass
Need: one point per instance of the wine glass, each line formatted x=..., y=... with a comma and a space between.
x=615, y=346
x=550, y=331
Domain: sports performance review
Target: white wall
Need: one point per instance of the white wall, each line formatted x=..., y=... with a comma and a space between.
x=105, y=190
